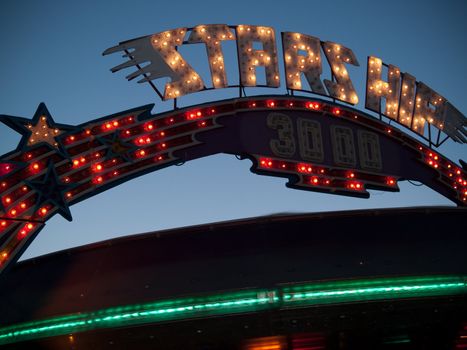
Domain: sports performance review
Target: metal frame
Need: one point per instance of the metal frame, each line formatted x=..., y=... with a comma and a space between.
x=180, y=131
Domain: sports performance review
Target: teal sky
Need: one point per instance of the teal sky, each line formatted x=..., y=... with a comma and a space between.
x=52, y=52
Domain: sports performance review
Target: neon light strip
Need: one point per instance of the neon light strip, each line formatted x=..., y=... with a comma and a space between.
x=227, y=303
x=392, y=288
x=320, y=293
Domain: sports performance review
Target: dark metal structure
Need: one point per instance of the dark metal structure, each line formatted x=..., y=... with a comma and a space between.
x=267, y=256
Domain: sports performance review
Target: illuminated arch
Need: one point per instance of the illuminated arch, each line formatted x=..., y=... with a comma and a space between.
x=316, y=144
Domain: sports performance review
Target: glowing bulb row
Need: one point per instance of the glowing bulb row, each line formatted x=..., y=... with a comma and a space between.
x=108, y=169
x=88, y=160
x=449, y=173
x=326, y=178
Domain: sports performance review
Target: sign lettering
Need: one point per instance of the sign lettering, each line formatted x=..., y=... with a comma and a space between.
x=407, y=101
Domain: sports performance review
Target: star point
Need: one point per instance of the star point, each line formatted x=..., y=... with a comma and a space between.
x=40, y=130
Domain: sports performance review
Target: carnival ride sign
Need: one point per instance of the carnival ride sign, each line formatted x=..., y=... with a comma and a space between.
x=318, y=144
x=411, y=103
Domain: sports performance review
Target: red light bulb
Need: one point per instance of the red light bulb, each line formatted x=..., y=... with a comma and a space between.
x=312, y=105
x=267, y=163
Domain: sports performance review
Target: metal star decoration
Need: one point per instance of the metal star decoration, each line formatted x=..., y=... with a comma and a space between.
x=118, y=147
x=51, y=190
x=39, y=130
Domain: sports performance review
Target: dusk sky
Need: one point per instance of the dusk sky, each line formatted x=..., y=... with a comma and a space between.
x=52, y=53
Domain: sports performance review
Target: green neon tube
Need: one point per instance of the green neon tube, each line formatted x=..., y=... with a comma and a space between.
x=226, y=303
x=375, y=289
x=318, y=293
